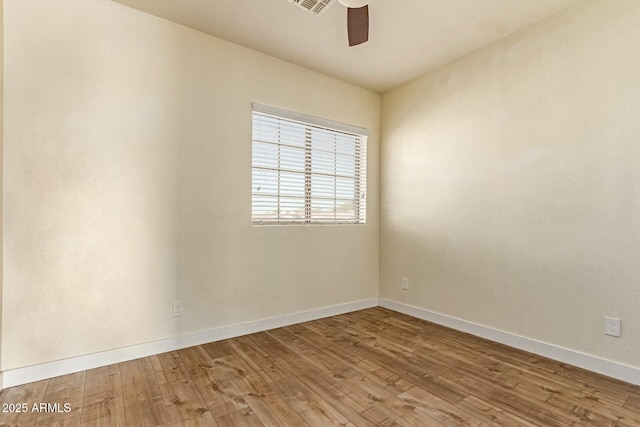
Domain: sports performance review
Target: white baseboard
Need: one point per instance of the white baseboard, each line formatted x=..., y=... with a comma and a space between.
x=56, y=368
x=606, y=367
x=14, y=377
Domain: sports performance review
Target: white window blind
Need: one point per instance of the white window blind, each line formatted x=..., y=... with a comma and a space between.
x=306, y=170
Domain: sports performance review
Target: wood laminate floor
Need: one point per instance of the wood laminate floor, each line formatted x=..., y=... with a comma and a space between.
x=368, y=368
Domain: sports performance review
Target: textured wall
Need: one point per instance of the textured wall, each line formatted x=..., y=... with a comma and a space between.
x=511, y=188
x=127, y=184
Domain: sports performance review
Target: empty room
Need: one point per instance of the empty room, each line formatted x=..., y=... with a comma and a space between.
x=320, y=212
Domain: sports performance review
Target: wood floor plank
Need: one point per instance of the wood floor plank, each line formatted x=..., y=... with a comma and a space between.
x=221, y=397
x=25, y=396
x=633, y=404
x=265, y=402
x=232, y=366
x=101, y=380
x=307, y=375
x=169, y=367
x=200, y=366
x=587, y=409
x=185, y=404
x=319, y=357
x=257, y=359
x=490, y=414
x=103, y=404
x=385, y=401
x=405, y=365
x=63, y=391
x=72, y=421
x=436, y=408
x=373, y=367
x=362, y=367
x=218, y=349
x=537, y=412
x=377, y=418
x=145, y=410
x=132, y=370
x=311, y=407
x=145, y=384
x=241, y=418
x=103, y=409
x=280, y=373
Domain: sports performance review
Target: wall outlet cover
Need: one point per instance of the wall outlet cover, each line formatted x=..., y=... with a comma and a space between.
x=612, y=326
x=178, y=308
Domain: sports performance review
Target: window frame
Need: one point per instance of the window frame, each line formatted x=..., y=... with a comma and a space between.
x=311, y=123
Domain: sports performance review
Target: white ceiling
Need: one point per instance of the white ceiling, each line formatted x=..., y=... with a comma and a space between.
x=407, y=37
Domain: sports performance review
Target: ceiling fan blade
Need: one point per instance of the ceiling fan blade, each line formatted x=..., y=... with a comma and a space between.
x=358, y=25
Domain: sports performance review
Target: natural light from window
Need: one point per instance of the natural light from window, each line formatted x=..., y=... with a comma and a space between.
x=304, y=173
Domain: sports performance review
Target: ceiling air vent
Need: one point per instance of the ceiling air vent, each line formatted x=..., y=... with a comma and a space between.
x=317, y=7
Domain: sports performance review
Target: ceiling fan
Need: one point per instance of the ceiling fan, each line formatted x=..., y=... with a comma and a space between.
x=357, y=20
x=357, y=16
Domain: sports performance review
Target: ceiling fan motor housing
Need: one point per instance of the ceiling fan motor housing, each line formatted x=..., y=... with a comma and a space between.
x=354, y=3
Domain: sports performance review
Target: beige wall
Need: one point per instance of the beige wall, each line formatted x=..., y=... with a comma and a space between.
x=127, y=184
x=509, y=179
x=510, y=183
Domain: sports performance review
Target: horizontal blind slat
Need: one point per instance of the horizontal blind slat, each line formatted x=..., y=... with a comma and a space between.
x=305, y=173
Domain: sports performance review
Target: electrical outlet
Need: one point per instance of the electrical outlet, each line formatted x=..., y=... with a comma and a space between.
x=612, y=326
x=178, y=308
x=405, y=283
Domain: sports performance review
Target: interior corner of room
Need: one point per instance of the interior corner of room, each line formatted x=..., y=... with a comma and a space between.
x=503, y=186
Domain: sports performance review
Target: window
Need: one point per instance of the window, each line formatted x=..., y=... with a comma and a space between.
x=306, y=170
